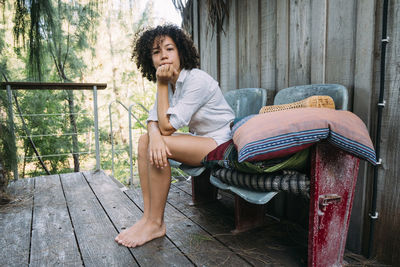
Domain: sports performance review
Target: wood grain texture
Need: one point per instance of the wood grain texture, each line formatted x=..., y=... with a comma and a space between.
x=248, y=44
x=268, y=47
x=15, y=224
x=387, y=242
x=255, y=246
x=208, y=43
x=195, y=26
x=363, y=82
x=318, y=40
x=94, y=231
x=340, y=44
x=53, y=238
x=198, y=245
x=300, y=42
x=282, y=44
x=228, y=50
x=124, y=213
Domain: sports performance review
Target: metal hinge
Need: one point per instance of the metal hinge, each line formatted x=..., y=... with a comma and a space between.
x=325, y=200
x=382, y=104
x=375, y=216
x=386, y=40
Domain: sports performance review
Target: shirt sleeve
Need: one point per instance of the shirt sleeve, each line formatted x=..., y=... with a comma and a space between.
x=196, y=92
x=153, y=113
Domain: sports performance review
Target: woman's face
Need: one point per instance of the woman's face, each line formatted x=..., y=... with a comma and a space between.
x=165, y=52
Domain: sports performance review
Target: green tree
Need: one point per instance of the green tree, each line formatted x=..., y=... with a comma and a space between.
x=58, y=32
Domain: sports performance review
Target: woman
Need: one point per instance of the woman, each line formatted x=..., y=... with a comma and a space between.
x=186, y=96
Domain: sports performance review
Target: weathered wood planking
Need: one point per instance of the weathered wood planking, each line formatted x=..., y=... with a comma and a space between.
x=198, y=245
x=340, y=44
x=387, y=242
x=282, y=44
x=228, y=50
x=363, y=82
x=15, y=224
x=124, y=213
x=257, y=246
x=248, y=44
x=300, y=42
x=268, y=47
x=318, y=40
x=195, y=26
x=53, y=239
x=208, y=43
x=94, y=231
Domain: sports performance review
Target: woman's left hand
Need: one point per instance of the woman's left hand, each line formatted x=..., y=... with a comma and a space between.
x=166, y=73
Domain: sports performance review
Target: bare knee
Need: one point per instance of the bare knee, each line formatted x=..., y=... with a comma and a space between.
x=143, y=145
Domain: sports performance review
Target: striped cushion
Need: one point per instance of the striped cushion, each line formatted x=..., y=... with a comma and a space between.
x=277, y=134
x=286, y=181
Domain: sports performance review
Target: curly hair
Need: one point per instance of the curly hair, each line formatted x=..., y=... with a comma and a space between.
x=143, y=45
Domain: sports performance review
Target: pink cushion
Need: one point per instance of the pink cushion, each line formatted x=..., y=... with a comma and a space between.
x=280, y=133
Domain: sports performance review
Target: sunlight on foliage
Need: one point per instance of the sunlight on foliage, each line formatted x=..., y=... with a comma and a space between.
x=73, y=41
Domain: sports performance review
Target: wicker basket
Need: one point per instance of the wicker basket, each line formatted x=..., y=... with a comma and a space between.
x=317, y=101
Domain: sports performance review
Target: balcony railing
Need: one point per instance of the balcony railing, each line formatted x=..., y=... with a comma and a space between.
x=10, y=86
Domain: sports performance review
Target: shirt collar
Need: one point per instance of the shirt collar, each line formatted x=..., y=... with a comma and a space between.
x=182, y=76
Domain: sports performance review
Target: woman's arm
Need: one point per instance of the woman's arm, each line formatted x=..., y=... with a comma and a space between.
x=165, y=74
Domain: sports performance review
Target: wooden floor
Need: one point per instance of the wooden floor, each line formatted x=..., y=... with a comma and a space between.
x=72, y=220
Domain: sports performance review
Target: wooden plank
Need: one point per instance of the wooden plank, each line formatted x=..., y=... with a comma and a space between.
x=340, y=44
x=208, y=43
x=123, y=213
x=268, y=48
x=282, y=44
x=248, y=46
x=195, y=27
x=257, y=246
x=387, y=241
x=53, y=239
x=94, y=231
x=15, y=224
x=300, y=42
x=198, y=245
x=228, y=51
x=363, y=84
x=318, y=40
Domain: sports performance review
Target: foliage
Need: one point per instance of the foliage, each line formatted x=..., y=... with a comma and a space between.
x=82, y=40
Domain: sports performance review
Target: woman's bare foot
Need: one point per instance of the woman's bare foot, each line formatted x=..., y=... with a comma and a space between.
x=135, y=236
x=130, y=231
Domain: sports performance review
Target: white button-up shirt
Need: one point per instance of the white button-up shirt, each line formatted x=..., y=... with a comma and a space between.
x=198, y=103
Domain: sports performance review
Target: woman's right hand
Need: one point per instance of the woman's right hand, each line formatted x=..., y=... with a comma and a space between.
x=158, y=151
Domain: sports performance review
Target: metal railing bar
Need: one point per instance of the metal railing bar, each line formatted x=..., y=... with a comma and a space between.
x=96, y=128
x=57, y=155
x=111, y=131
x=51, y=114
x=46, y=135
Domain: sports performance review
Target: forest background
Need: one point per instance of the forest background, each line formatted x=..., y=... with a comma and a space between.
x=71, y=41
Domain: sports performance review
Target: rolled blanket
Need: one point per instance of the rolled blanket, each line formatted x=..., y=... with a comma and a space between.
x=286, y=181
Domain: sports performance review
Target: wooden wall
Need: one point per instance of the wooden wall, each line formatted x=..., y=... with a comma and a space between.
x=275, y=44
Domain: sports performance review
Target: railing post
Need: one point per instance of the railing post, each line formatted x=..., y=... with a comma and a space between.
x=112, y=139
x=96, y=128
x=11, y=124
x=130, y=145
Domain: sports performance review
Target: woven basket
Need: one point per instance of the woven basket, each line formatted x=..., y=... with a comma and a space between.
x=317, y=101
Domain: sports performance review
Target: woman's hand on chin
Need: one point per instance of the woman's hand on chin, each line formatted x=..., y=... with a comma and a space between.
x=166, y=73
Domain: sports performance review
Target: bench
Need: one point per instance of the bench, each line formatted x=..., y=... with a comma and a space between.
x=332, y=179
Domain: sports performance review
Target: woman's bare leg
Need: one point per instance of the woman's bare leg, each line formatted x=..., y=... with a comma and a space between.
x=144, y=184
x=184, y=148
